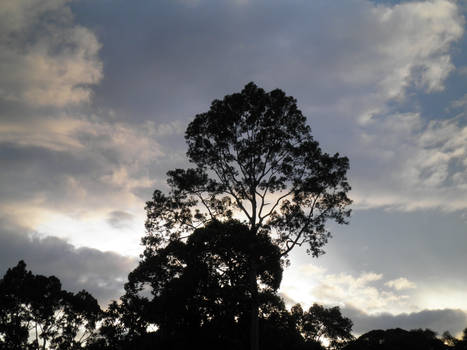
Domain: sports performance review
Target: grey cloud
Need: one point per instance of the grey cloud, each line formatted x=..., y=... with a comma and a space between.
x=421, y=246
x=100, y=273
x=80, y=164
x=119, y=219
x=346, y=63
x=45, y=58
x=437, y=320
x=29, y=172
x=319, y=51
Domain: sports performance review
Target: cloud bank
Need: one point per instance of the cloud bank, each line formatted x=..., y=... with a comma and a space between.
x=100, y=273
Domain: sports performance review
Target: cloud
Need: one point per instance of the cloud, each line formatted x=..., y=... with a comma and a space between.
x=45, y=59
x=369, y=300
x=351, y=67
x=422, y=163
x=78, y=166
x=367, y=290
x=119, y=219
x=345, y=289
x=437, y=320
x=100, y=273
x=65, y=160
x=461, y=103
x=401, y=283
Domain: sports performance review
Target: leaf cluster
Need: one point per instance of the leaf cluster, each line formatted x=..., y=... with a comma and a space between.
x=35, y=312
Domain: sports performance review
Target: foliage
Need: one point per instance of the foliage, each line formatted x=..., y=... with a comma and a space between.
x=398, y=339
x=35, y=312
x=320, y=323
x=255, y=158
x=199, y=285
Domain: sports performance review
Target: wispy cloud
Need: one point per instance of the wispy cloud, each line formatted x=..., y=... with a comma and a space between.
x=46, y=59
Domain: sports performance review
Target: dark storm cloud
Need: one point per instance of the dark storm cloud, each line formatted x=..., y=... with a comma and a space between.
x=437, y=320
x=100, y=273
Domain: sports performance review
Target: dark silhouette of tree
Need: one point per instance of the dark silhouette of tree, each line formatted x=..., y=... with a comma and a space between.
x=320, y=323
x=279, y=329
x=449, y=339
x=35, y=313
x=194, y=294
x=198, y=290
x=255, y=159
x=398, y=339
x=462, y=343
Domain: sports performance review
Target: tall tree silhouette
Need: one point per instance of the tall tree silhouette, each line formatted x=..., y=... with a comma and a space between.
x=255, y=159
x=35, y=313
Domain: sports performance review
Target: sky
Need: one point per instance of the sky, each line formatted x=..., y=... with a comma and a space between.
x=95, y=96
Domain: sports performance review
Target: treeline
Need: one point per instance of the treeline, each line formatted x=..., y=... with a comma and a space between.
x=190, y=311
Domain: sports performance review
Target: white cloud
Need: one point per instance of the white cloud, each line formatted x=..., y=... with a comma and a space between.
x=401, y=283
x=308, y=284
x=413, y=163
x=416, y=41
x=45, y=59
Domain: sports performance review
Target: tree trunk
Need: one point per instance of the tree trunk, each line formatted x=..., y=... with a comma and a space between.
x=254, y=310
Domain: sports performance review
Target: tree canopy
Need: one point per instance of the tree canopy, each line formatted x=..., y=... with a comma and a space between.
x=197, y=286
x=255, y=158
x=36, y=313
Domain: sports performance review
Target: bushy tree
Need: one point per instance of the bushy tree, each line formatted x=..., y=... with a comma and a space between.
x=36, y=313
x=199, y=288
x=320, y=323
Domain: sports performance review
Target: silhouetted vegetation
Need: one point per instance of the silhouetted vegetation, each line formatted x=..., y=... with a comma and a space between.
x=35, y=313
x=254, y=158
x=197, y=305
x=215, y=248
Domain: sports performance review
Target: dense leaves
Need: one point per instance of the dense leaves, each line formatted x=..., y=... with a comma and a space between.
x=255, y=158
x=398, y=339
x=194, y=286
x=36, y=313
x=320, y=323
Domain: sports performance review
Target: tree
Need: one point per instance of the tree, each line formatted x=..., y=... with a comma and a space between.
x=392, y=339
x=255, y=159
x=198, y=288
x=35, y=313
x=462, y=343
x=320, y=323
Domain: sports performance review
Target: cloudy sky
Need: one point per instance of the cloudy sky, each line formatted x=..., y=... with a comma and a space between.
x=95, y=96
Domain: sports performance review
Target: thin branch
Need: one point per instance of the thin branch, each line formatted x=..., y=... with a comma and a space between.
x=310, y=215
x=204, y=203
x=276, y=204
